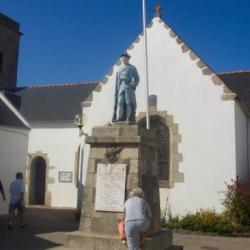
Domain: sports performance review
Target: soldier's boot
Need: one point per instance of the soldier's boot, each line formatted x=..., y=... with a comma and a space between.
x=129, y=112
x=119, y=113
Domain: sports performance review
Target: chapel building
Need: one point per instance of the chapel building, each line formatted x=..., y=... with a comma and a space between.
x=201, y=118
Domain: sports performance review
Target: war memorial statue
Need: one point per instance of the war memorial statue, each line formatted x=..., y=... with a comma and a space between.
x=122, y=158
x=127, y=79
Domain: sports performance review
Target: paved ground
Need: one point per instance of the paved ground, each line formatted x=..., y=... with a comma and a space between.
x=48, y=227
x=198, y=242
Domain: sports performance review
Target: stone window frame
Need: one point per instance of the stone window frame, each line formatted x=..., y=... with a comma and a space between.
x=175, y=176
x=48, y=180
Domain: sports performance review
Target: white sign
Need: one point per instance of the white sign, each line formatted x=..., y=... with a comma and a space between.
x=110, y=187
x=65, y=176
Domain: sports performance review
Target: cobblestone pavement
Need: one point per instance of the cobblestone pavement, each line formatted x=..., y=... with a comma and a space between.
x=47, y=229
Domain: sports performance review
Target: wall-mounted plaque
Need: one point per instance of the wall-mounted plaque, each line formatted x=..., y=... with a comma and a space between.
x=65, y=176
x=110, y=187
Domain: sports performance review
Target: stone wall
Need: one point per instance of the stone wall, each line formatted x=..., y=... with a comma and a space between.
x=9, y=48
x=113, y=145
x=139, y=153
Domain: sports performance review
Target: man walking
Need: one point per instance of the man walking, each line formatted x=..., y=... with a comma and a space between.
x=2, y=191
x=17, y=190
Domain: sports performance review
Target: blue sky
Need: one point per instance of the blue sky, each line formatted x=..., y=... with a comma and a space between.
x=80, y=40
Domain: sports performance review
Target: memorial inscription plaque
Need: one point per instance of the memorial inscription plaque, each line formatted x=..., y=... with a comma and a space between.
x=110, y=187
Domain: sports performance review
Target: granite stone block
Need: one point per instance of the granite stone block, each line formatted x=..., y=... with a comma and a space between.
x=98, y=229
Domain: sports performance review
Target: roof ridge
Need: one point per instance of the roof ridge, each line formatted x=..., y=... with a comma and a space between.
x=60, y=84
x=234, y=72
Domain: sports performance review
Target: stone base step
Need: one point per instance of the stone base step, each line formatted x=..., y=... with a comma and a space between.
x=175, y=248
x=80, y=248
x=161, y=240
x=90, y=241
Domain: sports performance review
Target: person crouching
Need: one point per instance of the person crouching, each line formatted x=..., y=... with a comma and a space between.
x=138, y=217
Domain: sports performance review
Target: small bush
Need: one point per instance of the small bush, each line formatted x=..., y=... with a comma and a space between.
x=173, y=223
x=206, y=221
x=235, y=218
x=237, y=202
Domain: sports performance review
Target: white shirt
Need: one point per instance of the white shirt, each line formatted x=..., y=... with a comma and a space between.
x=16, y=189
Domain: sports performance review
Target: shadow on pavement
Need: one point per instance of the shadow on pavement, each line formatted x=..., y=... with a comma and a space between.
x=46, y=229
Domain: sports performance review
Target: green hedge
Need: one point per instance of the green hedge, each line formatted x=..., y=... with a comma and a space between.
x=234, y=219
x=206, y=221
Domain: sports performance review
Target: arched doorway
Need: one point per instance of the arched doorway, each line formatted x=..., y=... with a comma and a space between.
x=37, y=181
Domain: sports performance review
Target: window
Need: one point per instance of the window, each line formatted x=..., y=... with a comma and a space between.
x=158, y=124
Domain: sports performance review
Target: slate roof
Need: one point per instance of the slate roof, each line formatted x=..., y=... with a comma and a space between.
x=8, y=118
x=50, y=103
x=61, y=102
x=239, y=83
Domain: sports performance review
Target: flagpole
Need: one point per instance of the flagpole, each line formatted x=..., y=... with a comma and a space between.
x=145, y=63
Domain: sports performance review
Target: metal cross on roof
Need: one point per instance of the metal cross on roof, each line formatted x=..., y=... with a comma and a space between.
x=157, y=9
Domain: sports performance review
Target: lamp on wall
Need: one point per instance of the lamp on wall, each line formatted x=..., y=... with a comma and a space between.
x=80, y=120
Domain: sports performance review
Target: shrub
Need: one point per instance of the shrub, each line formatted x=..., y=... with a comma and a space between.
x=235, y=218
x=173, y=223
x=205, y=220
x=237, y=202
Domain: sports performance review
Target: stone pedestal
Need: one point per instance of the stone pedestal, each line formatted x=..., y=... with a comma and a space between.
x=135, y=147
